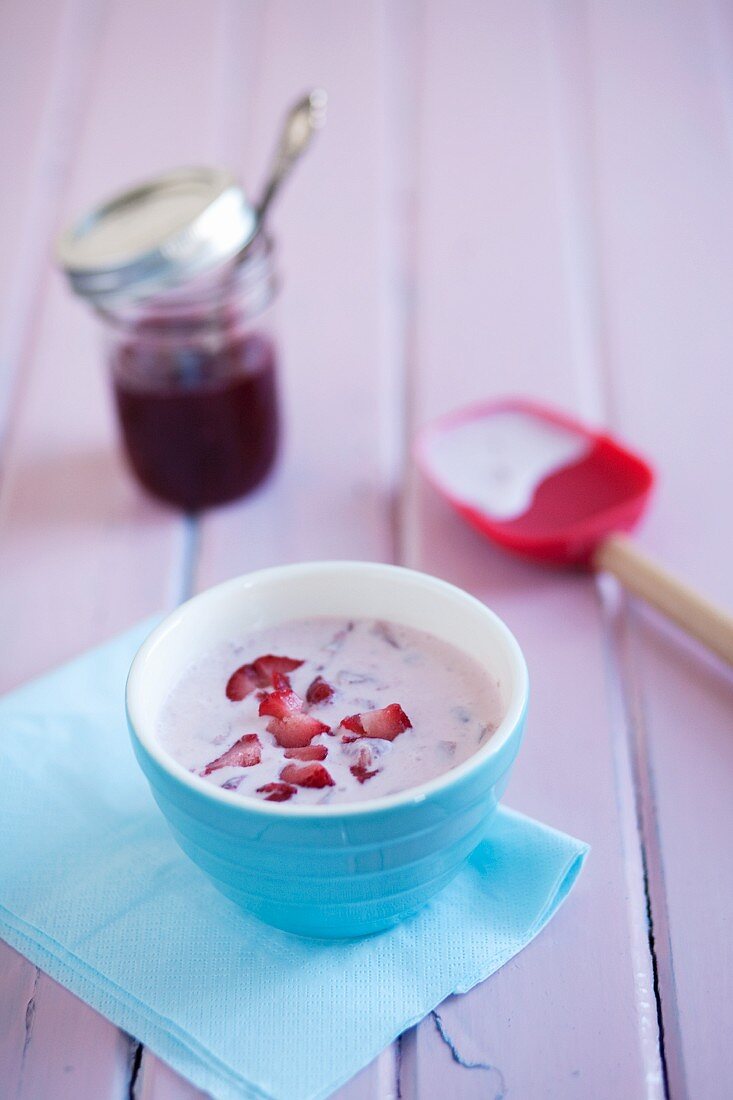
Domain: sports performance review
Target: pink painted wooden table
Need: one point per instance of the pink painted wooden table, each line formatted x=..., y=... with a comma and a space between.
x=530, y=197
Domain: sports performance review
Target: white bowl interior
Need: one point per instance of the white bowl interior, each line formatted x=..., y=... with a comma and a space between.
x=344, y=589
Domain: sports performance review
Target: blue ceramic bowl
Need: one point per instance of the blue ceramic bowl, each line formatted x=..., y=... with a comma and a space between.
x=334, y=870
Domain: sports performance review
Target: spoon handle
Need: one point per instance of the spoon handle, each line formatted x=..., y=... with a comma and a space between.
x=303, y=119
x=652, y=582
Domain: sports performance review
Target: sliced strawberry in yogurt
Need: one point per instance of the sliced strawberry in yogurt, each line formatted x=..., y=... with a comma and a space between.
x=363, y=768
x=306, y=775
x=242, y=682
x=319, y=691
x=244, y=753
x=384, y=724
x=279, y=704
x=361, y=773
x=261, y=673
x=277, y=792
x=353, y=723
x=268, y=666
x=296, y=730
x=308, y=752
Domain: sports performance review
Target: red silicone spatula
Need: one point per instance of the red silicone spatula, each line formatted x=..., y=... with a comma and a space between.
x=547, y=487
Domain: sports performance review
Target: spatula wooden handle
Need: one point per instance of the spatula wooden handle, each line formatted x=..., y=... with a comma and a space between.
x=649, y=580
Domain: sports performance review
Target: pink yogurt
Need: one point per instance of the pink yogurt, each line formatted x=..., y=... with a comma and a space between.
x=451, y=702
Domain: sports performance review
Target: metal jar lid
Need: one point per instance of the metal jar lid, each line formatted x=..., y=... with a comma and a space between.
x=157, y=235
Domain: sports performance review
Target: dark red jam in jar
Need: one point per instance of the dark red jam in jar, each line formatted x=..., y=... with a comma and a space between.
x=195, y=388
x=183, y=279
x=205, y=431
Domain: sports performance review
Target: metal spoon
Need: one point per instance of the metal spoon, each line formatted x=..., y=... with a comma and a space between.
x=302, y=120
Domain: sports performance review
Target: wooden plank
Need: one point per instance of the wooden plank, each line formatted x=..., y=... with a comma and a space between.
x=83, y=553
x=330, y=497
x=17, y=983
x=238, y=31
x=665, y=202
x=57, y=1046
x=157, y=1081
x=502, y=251
x=45, y=63
x=45, y=69
x=327, y=497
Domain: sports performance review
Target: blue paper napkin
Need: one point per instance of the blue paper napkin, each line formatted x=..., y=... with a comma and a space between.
x=95, y=892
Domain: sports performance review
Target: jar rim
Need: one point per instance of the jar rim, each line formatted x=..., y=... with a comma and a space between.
x=158, y=234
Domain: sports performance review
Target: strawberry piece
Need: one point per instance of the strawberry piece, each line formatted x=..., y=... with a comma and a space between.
x=266, y=667
x=361, y=773
x=244, y=753
x=279, y=704
x=320, y=691
x=241, y=683
x=353, y=722
x=259, y=674
x=306, y=775
x=308, y=752
x=296, y=730
x=362, y=768
x=277, y=792
x=387, y=723
x=384, y=724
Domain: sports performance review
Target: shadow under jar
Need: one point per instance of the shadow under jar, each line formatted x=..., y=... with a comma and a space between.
x=184, y=285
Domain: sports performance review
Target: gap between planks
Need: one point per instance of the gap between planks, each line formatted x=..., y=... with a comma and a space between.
x=571, y=58
x=401, y=35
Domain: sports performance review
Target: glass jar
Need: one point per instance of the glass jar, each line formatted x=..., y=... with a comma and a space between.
x=194, y=379
x=184, y=285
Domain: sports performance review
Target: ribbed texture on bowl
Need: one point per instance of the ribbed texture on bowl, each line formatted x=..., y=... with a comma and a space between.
x=335, y=875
